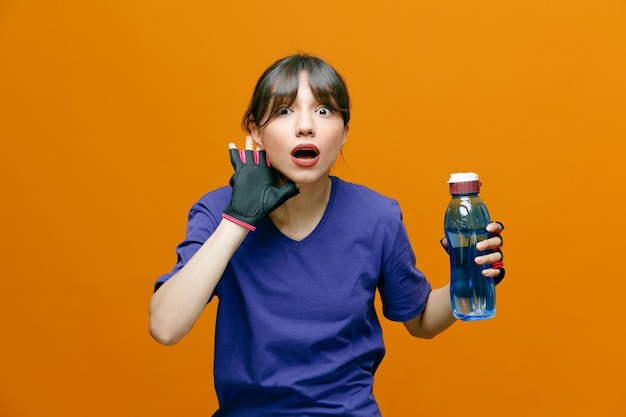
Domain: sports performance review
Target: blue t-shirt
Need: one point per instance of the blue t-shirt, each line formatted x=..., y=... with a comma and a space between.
x=297, y=333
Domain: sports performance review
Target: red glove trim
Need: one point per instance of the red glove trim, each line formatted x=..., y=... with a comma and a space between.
x=239, y=222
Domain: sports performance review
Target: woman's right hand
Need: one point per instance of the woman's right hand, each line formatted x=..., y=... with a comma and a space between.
x=255, y=194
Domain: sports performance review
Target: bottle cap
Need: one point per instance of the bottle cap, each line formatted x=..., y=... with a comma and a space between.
x=464, y=183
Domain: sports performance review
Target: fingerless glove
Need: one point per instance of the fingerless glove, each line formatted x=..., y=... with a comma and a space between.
x=255, y=194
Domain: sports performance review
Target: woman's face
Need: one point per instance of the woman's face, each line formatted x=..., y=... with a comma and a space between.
x=303, y=140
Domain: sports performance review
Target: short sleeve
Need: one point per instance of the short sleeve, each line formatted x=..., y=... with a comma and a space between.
x=201, y=223
x=403, y=288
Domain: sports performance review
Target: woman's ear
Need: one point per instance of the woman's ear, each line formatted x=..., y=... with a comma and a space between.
x=255, y=132
x=345, y=134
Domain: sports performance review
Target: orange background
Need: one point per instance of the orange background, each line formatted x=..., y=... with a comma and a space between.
x=115, y=117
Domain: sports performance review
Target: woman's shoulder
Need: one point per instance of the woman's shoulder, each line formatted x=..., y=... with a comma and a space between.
x=358, y=195
x=214, y=200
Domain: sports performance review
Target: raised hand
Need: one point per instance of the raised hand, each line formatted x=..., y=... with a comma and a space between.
x=255, y=194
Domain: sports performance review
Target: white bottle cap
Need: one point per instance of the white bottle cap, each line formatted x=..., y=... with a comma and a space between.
x=463, y=177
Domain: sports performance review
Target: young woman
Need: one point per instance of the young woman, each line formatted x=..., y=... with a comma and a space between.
x=295, y=257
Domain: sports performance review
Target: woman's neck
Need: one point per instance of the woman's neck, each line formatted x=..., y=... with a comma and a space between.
x=300, y=215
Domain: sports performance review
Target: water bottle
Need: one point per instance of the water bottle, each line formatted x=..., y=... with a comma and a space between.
x=473, y=296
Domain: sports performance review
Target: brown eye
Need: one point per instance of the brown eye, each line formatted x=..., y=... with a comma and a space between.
x=323, y=111
x=283, y=111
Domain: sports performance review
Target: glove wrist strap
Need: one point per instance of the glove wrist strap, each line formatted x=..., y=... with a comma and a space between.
x=239, y=222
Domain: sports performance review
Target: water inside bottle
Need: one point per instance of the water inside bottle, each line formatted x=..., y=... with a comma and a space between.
x=473, y=295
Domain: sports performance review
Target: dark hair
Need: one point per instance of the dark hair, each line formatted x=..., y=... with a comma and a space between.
x=278, y=86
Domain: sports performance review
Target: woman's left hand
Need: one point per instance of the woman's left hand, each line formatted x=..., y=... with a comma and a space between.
x=494, y=243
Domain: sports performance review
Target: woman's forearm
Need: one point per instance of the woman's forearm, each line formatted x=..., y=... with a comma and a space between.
x=177, y=304
x=436, y=317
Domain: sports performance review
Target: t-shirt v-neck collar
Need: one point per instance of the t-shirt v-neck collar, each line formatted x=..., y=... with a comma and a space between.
x=320, y=225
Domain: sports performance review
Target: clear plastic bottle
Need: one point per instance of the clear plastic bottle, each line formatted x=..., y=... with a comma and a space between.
x=473, y=295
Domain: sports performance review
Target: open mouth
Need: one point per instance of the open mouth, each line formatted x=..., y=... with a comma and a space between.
x=305, y=155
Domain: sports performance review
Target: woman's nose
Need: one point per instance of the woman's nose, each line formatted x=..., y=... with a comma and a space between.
x=305, y=125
